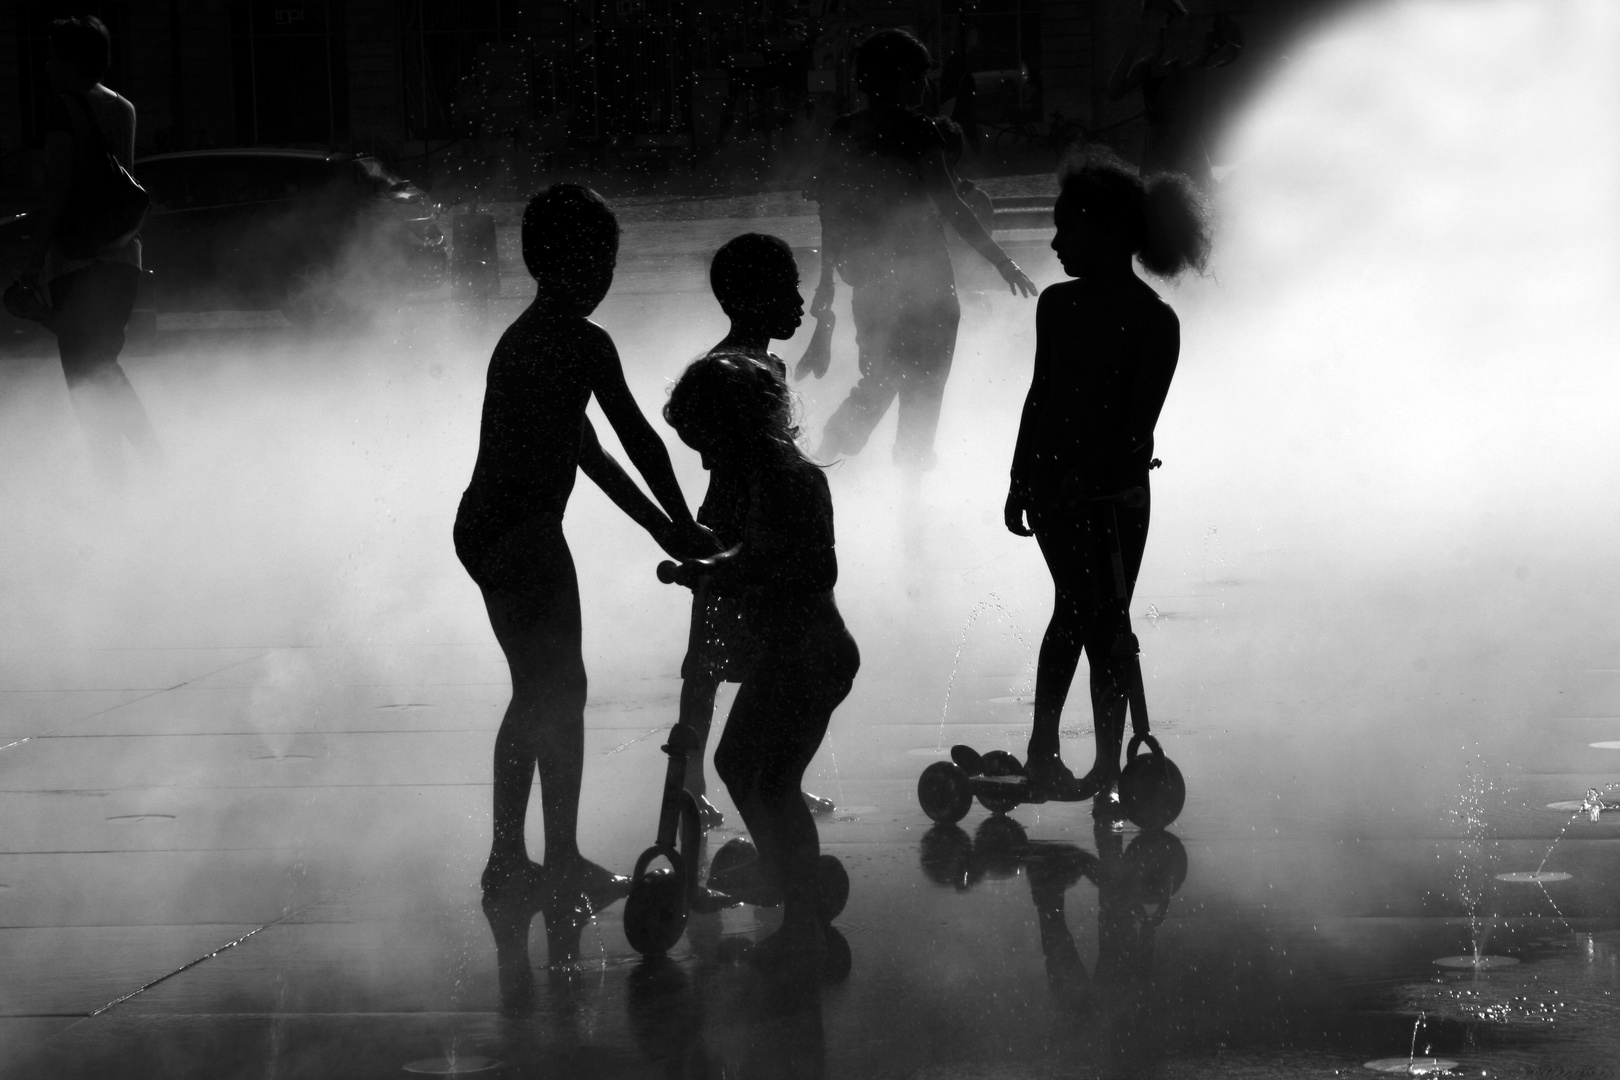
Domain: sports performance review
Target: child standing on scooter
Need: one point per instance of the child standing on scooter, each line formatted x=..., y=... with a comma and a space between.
x=756, y=280
x=1105, y=351
x=737, y=413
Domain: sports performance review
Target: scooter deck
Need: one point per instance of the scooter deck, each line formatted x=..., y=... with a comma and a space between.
x=1004, y=788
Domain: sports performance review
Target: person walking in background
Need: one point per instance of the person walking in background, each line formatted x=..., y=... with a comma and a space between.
x=86, y=296
x=882, y=188
x=1106, y=348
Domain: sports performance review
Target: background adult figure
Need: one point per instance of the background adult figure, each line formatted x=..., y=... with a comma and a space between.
x=91, y=297
x=883, y=187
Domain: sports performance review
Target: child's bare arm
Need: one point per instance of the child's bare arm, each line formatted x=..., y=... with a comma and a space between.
x=641, y=442
x=1018, y=495
x=942, y=189
x=617, y=485
x=1160, y=349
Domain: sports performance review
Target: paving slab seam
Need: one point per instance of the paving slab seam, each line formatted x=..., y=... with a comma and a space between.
x=131, y=701
x=183, y=968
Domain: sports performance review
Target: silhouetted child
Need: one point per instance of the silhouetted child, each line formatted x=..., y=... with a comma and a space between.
x=756, y=280
x=737, y=413
x=509, y=534
x=1105, y=350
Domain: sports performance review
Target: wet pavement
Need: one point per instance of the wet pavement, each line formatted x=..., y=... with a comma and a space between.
x=246, y=717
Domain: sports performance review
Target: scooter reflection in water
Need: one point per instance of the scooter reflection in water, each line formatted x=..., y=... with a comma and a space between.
x=1134, y=886
x=714, y=1018
x=701, y=1024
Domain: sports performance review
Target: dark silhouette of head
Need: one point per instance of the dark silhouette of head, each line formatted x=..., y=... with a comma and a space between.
x=570, y=245
x=83, y=44
x=756, y=280
x=731, y=408
x=1106, y=213
x=887, y=61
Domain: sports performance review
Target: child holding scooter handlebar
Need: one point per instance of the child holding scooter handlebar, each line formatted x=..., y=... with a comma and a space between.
x=736, y=412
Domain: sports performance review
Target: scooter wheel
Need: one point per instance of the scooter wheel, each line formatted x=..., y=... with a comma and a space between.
x=832, y=888
x=655, y=912
x=944, y=793
x=732, y=854
x=999, y=804
x=835, y=969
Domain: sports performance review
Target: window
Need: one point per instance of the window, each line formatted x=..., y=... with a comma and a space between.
x=291, y=72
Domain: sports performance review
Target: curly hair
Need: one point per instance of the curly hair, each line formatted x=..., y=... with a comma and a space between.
x=733, y=390
x=1164, y=219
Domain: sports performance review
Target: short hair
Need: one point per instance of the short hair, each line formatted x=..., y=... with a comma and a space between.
x=84, y=43
x=745, y=263
x=568, y=227
x=1164, y=219
x=886, y=57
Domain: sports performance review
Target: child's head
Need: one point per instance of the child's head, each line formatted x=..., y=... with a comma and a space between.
x=1105, y=211
x=756, y=280
x=732, y=409
x=892, y=66
x=570, y=245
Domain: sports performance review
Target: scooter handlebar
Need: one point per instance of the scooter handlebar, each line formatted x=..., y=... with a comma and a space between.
x=669, y=571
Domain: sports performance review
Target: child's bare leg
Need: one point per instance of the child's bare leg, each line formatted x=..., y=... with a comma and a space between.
x=1109, y=702
x=1054, y=672
x=544, y=726
x=697, y=713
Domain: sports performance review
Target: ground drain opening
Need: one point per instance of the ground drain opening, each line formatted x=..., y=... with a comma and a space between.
x=458, y=1066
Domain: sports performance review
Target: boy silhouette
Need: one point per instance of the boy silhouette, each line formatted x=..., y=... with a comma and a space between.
x=508, y=533
x=755, y=278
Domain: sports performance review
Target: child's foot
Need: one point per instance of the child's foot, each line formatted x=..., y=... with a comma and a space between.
x=709, y=815
x=747, y=883
x=1106, y=807
x=1050, y=779
x=511, y=874
x=817, y=804
x=799, y=947
x=577, y=874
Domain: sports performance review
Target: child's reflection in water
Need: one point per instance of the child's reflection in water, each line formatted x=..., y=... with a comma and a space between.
x=708, y=1020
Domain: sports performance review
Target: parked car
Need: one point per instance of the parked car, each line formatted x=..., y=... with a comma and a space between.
x=310, y=233
x=313, y=234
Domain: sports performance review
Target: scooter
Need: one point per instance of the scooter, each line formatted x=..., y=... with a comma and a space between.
x=661, y=898
x=1150, y=788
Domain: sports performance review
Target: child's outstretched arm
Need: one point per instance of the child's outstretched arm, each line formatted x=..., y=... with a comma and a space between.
x=646, y=450
x=941, y=187
x=1018, y=494
x=605, y=471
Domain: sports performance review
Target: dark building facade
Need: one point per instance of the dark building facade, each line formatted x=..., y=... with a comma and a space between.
x=398, y=77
